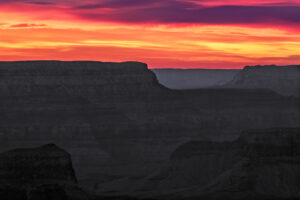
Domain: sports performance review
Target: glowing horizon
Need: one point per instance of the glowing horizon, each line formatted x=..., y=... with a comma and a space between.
x=168, y=34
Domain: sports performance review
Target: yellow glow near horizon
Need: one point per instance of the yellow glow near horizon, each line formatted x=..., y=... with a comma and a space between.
x=29, y=37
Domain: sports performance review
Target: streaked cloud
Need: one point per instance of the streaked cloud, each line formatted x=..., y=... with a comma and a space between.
x=169, y=33
x=27, y=25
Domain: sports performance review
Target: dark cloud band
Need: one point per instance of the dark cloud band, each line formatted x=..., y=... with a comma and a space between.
x=173, y=11
x=214, y=15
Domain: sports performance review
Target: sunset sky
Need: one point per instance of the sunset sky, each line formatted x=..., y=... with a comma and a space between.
x=161, y=33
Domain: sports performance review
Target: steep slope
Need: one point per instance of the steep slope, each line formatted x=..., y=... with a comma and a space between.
x=282, y=79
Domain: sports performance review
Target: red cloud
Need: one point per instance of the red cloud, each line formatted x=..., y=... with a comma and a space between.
x=27, y=25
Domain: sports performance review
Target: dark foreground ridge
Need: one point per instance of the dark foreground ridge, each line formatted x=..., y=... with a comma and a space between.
x=43, y=173
x=46, y=163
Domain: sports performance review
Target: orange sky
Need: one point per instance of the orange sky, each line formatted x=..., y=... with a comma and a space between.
x=46, y=30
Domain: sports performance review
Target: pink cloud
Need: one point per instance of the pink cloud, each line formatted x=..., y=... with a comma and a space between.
x=27, y=25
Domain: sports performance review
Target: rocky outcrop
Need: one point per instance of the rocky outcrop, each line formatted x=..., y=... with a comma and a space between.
x=43, y=173
x=282, y=79
x=36, y=166
x=261, y=164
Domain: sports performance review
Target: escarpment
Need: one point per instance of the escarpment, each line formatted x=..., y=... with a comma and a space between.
x=54, y=82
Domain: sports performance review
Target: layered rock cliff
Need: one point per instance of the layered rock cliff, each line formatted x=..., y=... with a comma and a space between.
x=282, y=79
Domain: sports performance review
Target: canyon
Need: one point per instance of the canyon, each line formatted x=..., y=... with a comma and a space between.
x=120, y=125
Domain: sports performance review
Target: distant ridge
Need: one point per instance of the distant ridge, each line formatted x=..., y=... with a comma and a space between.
x=282, y=79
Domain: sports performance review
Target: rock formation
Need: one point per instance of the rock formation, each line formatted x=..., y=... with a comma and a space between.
x=38, y=166
x=260, y=164
x=43, y=173
x=282, y=79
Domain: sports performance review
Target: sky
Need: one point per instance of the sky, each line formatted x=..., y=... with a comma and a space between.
x=161, y=33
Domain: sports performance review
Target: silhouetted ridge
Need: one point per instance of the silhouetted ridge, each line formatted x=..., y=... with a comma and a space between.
x=49, y=74
x=69, y=67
